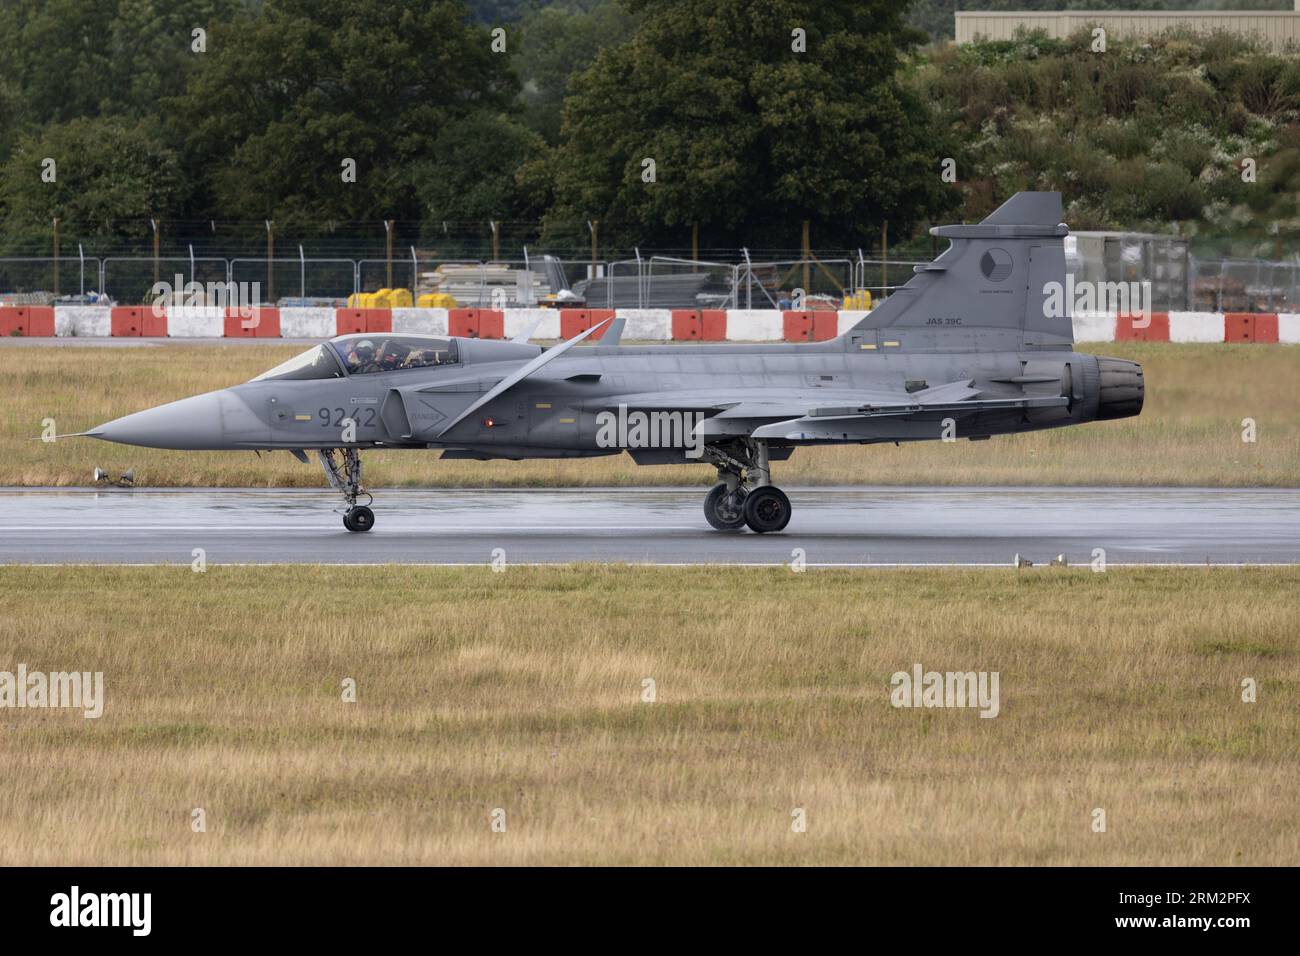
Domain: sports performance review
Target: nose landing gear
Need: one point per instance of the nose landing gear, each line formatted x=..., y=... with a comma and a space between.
x=343, y=471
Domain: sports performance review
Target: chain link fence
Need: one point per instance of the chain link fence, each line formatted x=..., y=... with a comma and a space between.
x=1178, y=279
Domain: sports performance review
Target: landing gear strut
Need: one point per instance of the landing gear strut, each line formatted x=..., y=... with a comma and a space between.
x=744, y=494
x=343, y=471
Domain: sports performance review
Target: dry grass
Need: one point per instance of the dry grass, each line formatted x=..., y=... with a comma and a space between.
x=522, y=691
x=1189, y=433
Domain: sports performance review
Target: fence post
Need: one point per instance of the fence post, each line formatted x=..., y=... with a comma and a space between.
x=270, y=261
x=749, y=280
x=388, y=246
x=884, y=259
x=56, y=257
x=639, y=280
x=807, y=252
x=157, y=237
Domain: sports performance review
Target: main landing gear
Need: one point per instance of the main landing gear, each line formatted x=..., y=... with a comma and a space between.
x=343, y=470
x=744, y=495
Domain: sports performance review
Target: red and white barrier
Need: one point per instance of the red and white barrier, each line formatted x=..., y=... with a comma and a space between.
x=642, y=325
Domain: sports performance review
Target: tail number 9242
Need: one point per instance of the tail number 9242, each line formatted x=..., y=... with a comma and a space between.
x=335, y=417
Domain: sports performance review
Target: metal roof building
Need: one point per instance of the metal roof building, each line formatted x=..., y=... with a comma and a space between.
x=1277, y=27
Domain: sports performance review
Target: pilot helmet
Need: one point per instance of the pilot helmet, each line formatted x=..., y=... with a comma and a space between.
x=365, y=350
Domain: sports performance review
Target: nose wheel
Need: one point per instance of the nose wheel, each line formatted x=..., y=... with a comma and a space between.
x=343, y=471
x=359, y=518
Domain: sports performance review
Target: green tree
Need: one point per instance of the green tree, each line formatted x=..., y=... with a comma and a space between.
x=471, y=173
x=75, y=58
x=283, y=99
x=109, y=175
x=558, y=41
x=749, y=135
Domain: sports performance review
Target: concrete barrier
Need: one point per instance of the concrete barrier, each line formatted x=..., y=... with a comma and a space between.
x=308, y=323
x=518, y=321
x=847, y=318
x=196, y=321
x=1195, y=327
x=420, y=321
x=650, y=325
x=83, y=321
x=755, y=325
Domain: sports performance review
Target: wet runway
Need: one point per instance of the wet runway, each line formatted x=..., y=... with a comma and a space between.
x=832, y=526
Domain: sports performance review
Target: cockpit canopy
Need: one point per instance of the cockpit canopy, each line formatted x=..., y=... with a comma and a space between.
x=364, y=354
x=316, y=362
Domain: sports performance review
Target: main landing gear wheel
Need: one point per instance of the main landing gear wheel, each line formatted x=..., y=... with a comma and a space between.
x=725, y=510
x=359, y=518
x=767, y=509
x=744, y=494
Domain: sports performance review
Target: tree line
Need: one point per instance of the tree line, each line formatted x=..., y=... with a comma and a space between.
x=733, y=120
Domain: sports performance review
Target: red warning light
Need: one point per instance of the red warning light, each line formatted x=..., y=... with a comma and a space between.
x=489, y=422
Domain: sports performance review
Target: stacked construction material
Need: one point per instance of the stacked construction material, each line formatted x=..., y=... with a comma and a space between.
x=485, y=284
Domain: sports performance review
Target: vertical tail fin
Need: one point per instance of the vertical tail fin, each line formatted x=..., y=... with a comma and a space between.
x=991, y=288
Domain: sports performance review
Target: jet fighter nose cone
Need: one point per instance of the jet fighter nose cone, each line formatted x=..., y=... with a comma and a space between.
x=191, y=424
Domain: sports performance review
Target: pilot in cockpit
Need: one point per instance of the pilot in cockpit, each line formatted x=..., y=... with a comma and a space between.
x=361, y=357
x=393, y=356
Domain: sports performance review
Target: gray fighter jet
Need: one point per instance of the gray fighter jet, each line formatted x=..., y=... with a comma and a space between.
x=969, y=348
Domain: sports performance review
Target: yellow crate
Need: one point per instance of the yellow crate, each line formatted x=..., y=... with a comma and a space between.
x=437, y=300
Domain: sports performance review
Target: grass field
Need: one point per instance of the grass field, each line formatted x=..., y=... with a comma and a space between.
x=523, y=691
x=1189, y=433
